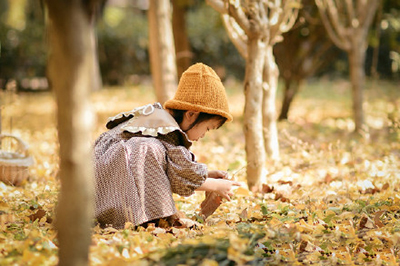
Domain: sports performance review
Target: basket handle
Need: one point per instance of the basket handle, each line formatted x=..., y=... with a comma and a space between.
x=22, y=146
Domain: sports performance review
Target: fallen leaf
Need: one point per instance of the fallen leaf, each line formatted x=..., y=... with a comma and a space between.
x=385, y=186
x=38, y=215
x=282, y=182
x=306, y=246
x=244, y=214
x=366, y=222
x=377, y=219
x=210, y=204
x=241, y=191
x=279, y=196
x=266, y=188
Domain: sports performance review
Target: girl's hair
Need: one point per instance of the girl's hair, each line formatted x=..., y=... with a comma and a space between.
x=178, y=116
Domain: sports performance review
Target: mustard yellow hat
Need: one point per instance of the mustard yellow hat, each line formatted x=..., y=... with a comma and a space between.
x=200, y=90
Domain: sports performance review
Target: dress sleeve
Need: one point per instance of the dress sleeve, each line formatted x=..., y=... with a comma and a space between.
x=184, y=173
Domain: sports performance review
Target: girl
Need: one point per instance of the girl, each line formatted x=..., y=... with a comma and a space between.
x=145, y=156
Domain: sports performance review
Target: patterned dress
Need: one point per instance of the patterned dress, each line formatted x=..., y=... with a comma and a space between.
x=139, y=163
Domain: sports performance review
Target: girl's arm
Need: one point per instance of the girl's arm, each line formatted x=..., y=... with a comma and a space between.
x=222, y=186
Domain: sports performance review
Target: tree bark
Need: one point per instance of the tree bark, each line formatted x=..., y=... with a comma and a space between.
x=270, y=86
x=70, y=69
x=162, y=50
x=357, y=77
x=181, y=40
x=291, y=89
x=96, y=75
x=252, y=124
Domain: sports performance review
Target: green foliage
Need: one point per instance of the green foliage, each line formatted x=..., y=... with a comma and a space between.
x=23, y=51
x=122, y=45
x=210, y=42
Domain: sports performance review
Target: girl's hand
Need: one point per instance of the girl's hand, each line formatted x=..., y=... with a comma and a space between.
x=224, y=187
x=218, y=182
x=218, y=174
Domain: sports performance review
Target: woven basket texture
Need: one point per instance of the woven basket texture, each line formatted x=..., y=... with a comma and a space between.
x=14, y=160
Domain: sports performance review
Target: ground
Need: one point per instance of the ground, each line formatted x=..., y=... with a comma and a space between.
x=332, y=199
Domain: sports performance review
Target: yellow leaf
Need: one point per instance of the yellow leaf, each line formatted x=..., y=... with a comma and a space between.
x=208, y=262
x=241, y=191
x=300, y=206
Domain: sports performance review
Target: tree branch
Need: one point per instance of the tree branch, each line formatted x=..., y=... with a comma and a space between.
x=337, y=39
x=236, y=35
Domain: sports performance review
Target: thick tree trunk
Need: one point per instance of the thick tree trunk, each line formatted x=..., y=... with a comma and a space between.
x=181, y=40
x=70, y=69
x=162, y=50
x=291, y=89
x=357, y=76
x=252, y=124
x=270, y=86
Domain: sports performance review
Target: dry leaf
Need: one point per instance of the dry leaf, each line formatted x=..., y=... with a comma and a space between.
x=282, y=182
x=306, y=246
x=266, y=188
x=377, y=219
x=38, y=215
x=241, y=191
x=244, y=214
x=279, y=196
x=385, y=186
x=210, y=204
x=366, y=222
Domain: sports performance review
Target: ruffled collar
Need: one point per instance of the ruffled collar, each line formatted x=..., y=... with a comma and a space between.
x=149, y=120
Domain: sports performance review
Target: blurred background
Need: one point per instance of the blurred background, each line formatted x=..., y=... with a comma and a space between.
x=123, y=44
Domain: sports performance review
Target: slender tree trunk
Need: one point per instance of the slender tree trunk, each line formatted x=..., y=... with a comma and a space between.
x=375, y=53
x=357, y=77
x=252, y=124
x=70, y=69
x=291, y=89
x=270, y=86
x=181, y=40
x=162, y=50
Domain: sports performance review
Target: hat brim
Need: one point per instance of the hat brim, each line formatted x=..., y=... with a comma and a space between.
x=179, y=105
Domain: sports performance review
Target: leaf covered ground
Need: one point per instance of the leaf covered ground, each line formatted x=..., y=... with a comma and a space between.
x=333, y=199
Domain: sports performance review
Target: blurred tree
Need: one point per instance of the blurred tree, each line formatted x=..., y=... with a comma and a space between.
x=123, y=44
x=71, y=66
x=347, y=23
x=22, y=46
x=254, y=27
x=304, y=52
x=384, y=41
x=162, y=50
x=210, y=42
x=181, y=39
x=16, y=17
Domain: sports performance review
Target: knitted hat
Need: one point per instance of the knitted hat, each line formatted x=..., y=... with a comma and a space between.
x=200, y=90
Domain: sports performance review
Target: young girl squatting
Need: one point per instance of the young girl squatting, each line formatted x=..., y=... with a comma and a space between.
x=144, y=157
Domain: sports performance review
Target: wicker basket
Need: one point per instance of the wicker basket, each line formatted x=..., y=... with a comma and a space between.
x=15, y=161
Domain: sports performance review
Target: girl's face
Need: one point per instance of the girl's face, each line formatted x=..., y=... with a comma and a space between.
x=198, y=131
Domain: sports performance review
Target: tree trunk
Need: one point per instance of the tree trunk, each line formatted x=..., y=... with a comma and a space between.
x=291, y=89
x=270, y=86
x=252, y=124
x=70, y=69
x=162, y=50
x=96, y=75
x=357, y=76
x=181, y=40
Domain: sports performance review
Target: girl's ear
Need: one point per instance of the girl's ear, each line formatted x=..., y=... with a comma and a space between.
x=191, y=116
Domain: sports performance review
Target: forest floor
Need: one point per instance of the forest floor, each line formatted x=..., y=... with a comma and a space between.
x=333, y=199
